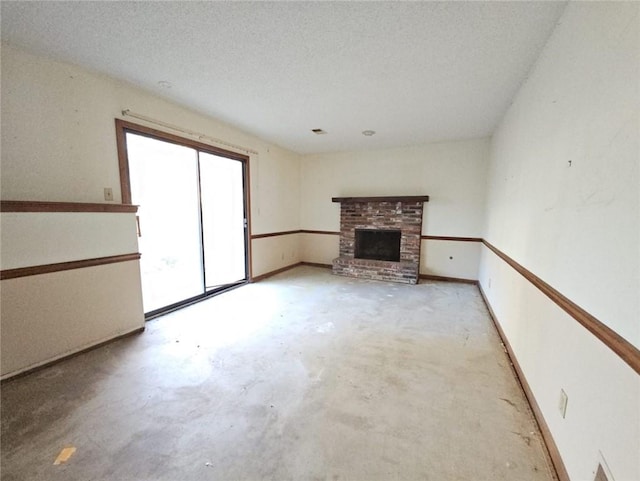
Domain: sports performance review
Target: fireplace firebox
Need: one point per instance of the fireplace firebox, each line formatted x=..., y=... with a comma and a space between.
x=381, y=245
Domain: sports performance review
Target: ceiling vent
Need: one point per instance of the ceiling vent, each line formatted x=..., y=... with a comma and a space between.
x=318, y=131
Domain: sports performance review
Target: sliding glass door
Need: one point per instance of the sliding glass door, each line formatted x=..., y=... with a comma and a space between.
x=223, y=224
x=191, y=220
x=164, y=184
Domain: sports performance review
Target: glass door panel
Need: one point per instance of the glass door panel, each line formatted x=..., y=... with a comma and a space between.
x=164, y=183
x=223, y=214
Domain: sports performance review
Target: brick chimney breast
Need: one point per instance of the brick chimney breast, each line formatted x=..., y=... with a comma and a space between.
x=402, y=214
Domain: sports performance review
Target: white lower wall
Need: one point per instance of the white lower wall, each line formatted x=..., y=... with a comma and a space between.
x=272, y=253
x=319, y=248
x=445, y=258
x=555, y=352
x=48, y=316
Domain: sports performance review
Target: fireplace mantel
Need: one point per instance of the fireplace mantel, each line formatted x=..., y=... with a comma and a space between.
x=394, y=198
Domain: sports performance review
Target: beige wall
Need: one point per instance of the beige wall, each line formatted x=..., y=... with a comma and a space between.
x=456, y=259
x=275, y=190
x=48, y=316
x=453, y=174
x=58, y=140
x=39, y=238
x=576, y=226
x=273, y=253
x=59, y=144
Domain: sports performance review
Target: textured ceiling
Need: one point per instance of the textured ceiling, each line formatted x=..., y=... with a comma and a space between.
x=414, y=72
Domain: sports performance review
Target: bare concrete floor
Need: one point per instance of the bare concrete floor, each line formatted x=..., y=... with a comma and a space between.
x=305, y=376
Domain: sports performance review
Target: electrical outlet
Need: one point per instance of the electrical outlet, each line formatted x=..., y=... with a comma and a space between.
x=108, y=193
x=562, y=403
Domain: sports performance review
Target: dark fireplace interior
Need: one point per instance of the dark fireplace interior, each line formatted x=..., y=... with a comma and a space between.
x=381, y=245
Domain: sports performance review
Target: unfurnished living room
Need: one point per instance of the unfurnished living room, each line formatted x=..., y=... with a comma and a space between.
x=341, y=241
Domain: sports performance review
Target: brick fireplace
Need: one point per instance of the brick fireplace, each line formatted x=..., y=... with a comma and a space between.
x=371, y=229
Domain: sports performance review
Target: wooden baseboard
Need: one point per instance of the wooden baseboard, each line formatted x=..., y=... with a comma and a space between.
x=550, y=444
x=262, y=277
x=316, y=264
x=429, y=277
x=329, y=266
x=283, y=269
x=65, y=357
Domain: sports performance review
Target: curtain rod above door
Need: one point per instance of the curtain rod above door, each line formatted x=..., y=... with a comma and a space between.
x=200, y=136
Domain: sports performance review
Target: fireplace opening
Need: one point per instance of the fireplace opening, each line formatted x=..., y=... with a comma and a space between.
x=381, y=245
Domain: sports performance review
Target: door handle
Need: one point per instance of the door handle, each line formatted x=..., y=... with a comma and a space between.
x=138, y=226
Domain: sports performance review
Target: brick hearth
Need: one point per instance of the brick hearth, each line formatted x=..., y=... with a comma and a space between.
x=384, y=213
